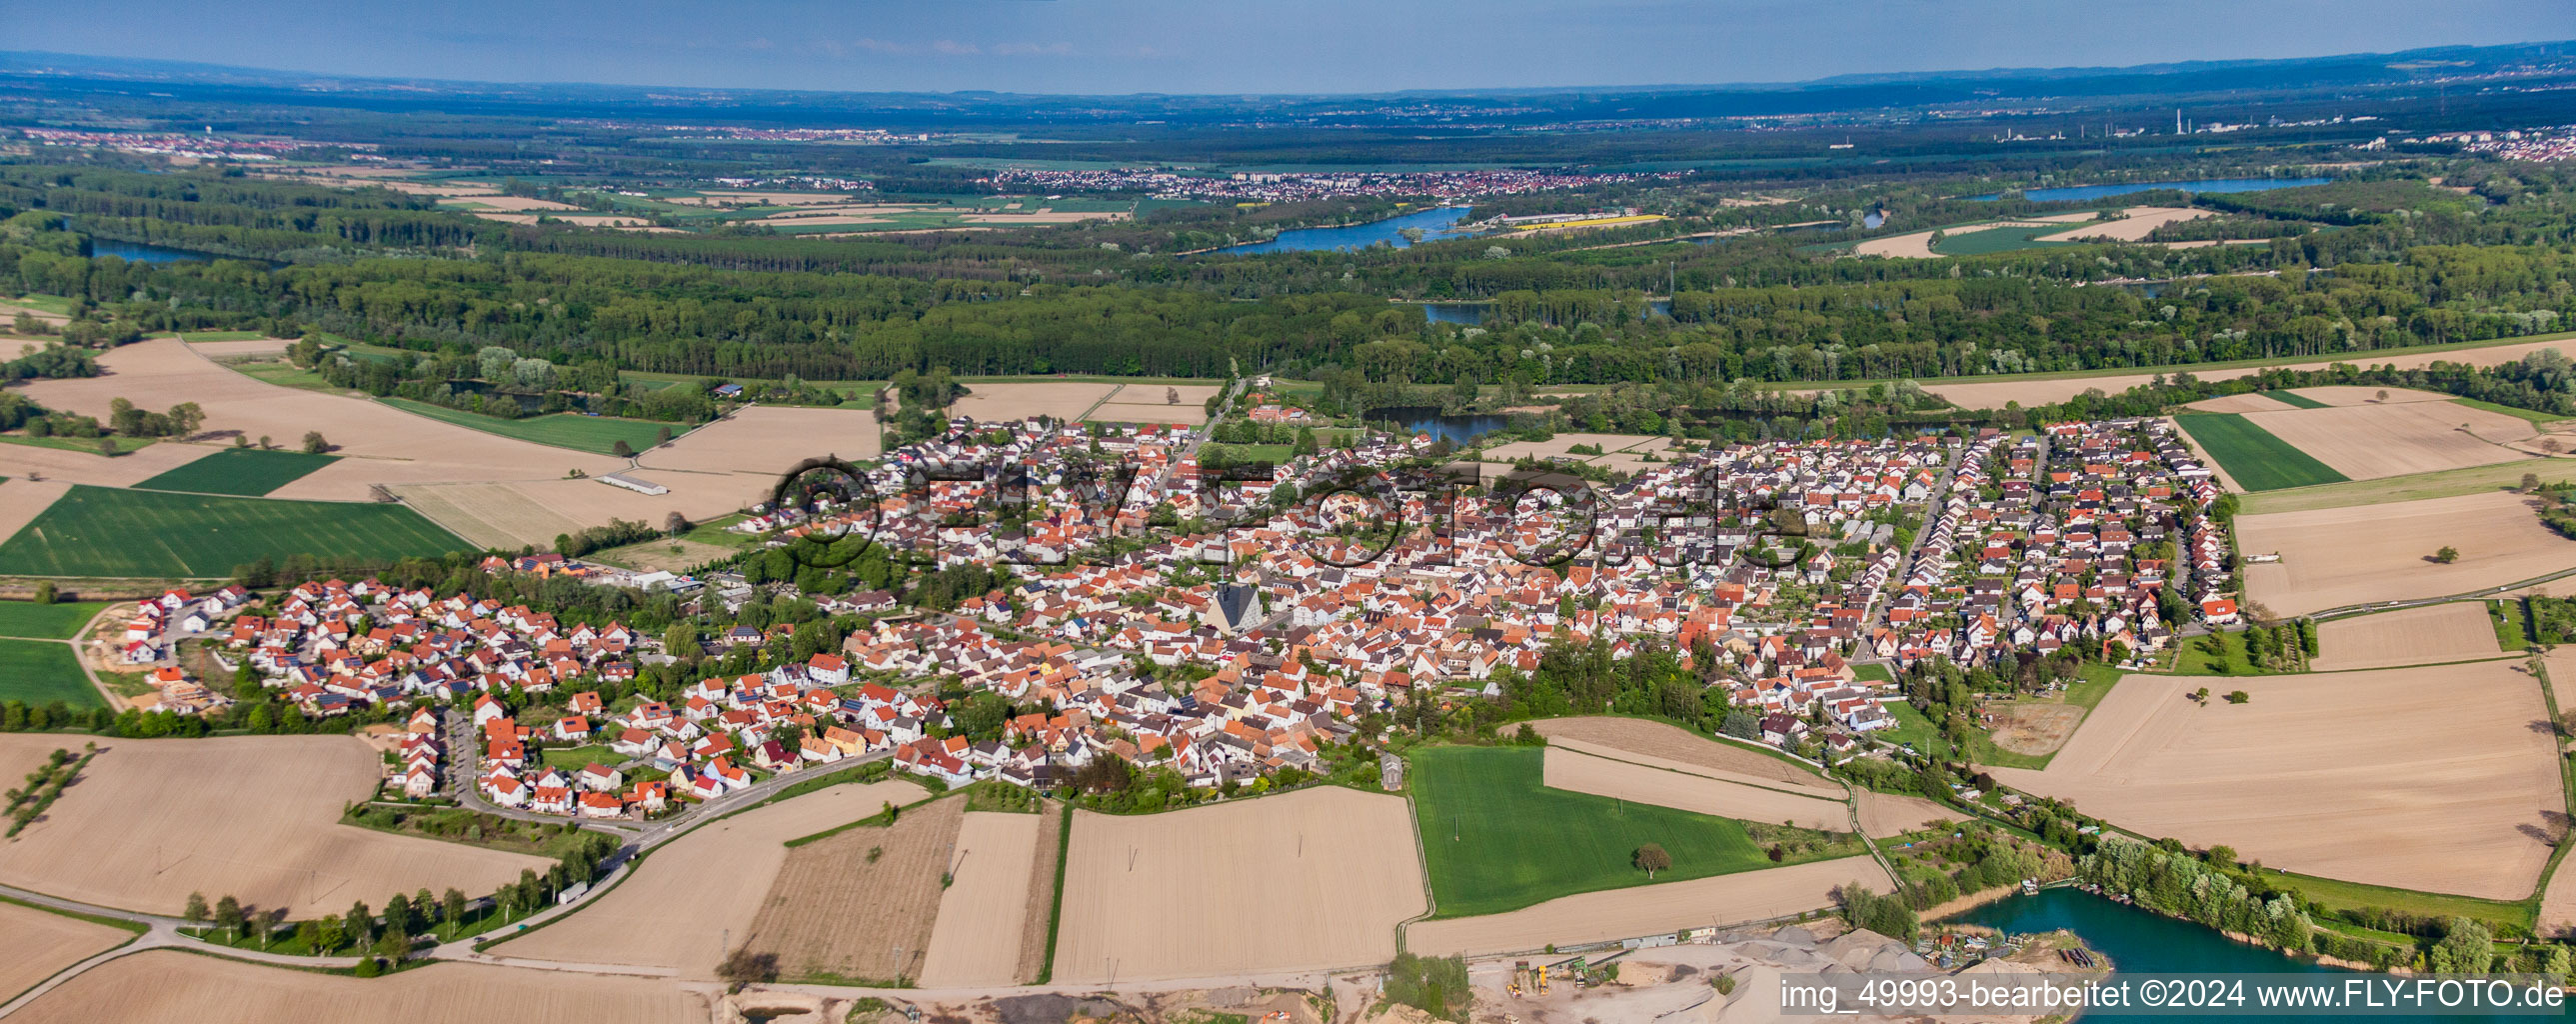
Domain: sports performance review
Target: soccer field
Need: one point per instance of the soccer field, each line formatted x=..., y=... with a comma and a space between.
x=104, y=531
x=40, y=672
x=244, y=471
x=1495, y=839
x=562, y=430
x=2256, y=460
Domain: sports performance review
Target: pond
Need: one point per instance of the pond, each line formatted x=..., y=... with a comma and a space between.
x=145, y=252
x=2143, y=941
x=1436, y=221
x=1455, y=428
x=2052, y=195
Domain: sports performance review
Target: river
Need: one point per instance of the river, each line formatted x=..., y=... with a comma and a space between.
x=1435, y=221
x=2144, y=941
x=2051, y=195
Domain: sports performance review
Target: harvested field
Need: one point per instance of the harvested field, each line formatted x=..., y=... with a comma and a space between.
x=22, y=500
x=1663, y=745
x=762, y=442
x=984, y=916
x=487, y=515
x=2367, y=441
x=1889, y=814
x=857, y=907
x=2436, y=779
x=2333, y=557
x=2343, y=394
x=1583, y=772
x=677, y=908
x=2137, y=222
x=2240, y=403
x=239, y=349
x=34, y=944
x=171, y=987
x=1647, y=910
x=2431, y=635
x=257, y=817
x=1161, y=896
x=25, y=462
x=995, y=402
x=2558, y=903
x=513, y=204
x=1037, y=927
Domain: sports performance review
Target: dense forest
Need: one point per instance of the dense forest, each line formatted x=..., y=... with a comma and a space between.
x=2375, y=262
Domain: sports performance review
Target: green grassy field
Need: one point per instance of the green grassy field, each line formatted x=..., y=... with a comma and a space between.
x=1915, y=730
x=124, y=445
x=2257, y=460
x=221, y=336
x=29, y=620
x=1496, y=840
x=562, y=430
x=282, y=374
x=2512, y=632
x=42, y=672
x=104, y=531
x=1995, y=240
x=2294, y=398
x=243, y=471
x=2533, y=415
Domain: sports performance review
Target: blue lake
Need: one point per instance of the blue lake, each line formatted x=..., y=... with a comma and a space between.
x=1425, y=419
x=1436, y=221
x=139, y=252
x=2051, y=195
x=2141, y=941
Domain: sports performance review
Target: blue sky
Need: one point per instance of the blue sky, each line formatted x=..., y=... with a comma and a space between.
x=1229, y=46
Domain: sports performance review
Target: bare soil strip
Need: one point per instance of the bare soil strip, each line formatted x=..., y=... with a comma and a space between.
x=983, y=917
x=1664, y=745
x=1582, y=772
x=171, y=987
x=35, y=944
x=1663, y=908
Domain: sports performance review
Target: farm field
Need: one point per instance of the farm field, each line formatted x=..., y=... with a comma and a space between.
x=34, y=944
x=1890, y=814
x=676, y=909
x=2252, y=402
x=2046, y=388
x=984, y=915
x=2396, y=439
x=2334, y=557
x=704, y=542
x=2416, y=778
x=86, y=445
x=1158, y=895
x=171, y=987
x=40, y=672
x=2135, y=224
x=762, y=442
x=60, y=621
x=1495, y=839
x=2253, y=458
x=1664, y=907
x=99, y=531
x=857, y=907
x=2430, y=635
x=1579, y=772
x=56, y=466
x=257, y=817
x=248, y=472
x=596, y=434
x=999, y=401
x=1664, y=745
